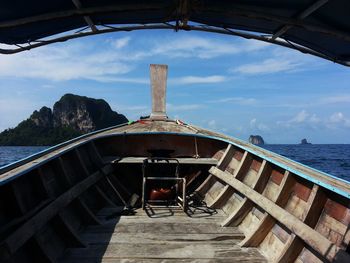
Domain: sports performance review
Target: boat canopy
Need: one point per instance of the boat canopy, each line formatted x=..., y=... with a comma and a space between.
x=318, y=27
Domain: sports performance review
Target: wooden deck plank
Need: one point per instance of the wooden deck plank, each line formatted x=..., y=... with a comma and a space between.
x=240, y=259
x=181, y=250
x=164, y=219
x=161, y=215
x=176, y=238
x=162, y=251
x=161, y=228
x=141, y=238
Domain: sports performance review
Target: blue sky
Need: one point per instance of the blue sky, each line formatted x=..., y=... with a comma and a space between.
x=227, y=84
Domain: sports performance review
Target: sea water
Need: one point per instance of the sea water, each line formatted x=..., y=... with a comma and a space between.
x=333, y=159
x=330, y=158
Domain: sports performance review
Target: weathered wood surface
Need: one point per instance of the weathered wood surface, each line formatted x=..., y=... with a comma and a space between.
x=34, y=224
x=267, y=221
x=293, y=206
x=294, y=245
x=167, y=126
x=175, y=238
x=159, y=75
x=139, y=160
x=238, y=258
x=310, y=236
x=236, y=217
x=226, y=157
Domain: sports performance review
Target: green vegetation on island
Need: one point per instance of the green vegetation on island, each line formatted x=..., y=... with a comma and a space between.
x=71, y=116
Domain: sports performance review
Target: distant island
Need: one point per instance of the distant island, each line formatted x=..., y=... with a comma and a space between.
x=304, y=141
x=256, y=139
x=70, y=117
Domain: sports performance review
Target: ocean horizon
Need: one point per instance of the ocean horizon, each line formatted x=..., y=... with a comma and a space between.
x=333, y=159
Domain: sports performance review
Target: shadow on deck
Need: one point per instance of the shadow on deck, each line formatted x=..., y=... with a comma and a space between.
x=161, y=235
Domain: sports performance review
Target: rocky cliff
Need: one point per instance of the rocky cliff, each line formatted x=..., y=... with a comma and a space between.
x=256, y=139
x=71, y=116
x=304, y=141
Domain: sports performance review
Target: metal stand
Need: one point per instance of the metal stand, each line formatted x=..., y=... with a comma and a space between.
x=179, y=201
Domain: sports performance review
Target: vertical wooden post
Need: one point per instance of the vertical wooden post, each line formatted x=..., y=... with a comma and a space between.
x=158, y=84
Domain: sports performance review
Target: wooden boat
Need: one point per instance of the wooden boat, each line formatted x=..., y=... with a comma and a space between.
x=93, y=199
x=86, y=200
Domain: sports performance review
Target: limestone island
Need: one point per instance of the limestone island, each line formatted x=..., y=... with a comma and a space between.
x=304, y=141
x=70, y=117
x=256, y=139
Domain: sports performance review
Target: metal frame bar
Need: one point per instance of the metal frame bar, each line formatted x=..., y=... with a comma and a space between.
x=183, y=200
x=150, y=7
x=87, y=19
x=283, y=20
x=83, y=11
x=158, y=160
x=308, y=11
x=204, y=28
x=183, y=5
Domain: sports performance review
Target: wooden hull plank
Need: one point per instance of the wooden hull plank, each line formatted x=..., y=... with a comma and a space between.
x=294, y=246
x=33, y=225
x=314, y=239
x=236, y=217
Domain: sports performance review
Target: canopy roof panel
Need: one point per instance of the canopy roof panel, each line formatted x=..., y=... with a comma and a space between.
x=318, y=27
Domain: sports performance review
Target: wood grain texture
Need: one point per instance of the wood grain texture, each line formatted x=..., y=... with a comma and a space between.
x=295, y=245
x=158, y=84
x=174, y=238
x=262, y=229
x=222, y=197
x=238, y=215
x=21, y=235
x=338, y=211
x=241, y=170
x=226, y=157
x=314, y=239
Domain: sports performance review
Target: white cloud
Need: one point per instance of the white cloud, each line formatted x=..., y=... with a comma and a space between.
x=267, y=66
x=197, y=47
x=254, y=45
x=338, y=119
x=314, y=119
x=117, y=57
x=236, y=100
x=300, y=117
x=306, y=120
x=60, y=64
x=197, y=80
x=171, y=81
x=121, y=42
x=252, y=123
x=48, y=86
x=193, y=46
x=336, y=99
x=256, y=126
x=278, y=61
x=111, y=79
x=183, y=107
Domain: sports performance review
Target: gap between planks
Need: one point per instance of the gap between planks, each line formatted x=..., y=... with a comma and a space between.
x=176, y=238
